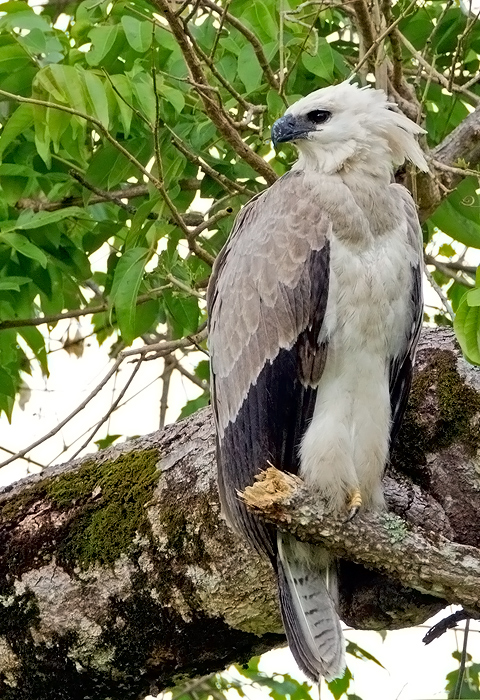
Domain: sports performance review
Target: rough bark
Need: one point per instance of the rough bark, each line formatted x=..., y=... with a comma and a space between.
x=118, y=576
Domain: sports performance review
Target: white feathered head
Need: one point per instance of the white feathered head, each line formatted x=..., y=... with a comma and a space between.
x=343, y=124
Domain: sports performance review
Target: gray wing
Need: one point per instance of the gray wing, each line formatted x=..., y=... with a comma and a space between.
x=401, y=366
x=266, y=303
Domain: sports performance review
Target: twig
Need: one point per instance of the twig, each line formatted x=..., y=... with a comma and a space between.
x=112, y=408
x=468, y=28
x=66, y=420
x=451, y=265
x=457, y=693
x=457, y=171
x=448, y=271
x=184, y=287
x=216, y=115
x=166, y=346
x=201, y=383
x=97, y=124
x=250, y=37
x=103, y=196
x=211, y=221
x=109, y=197
x=381, y=37
x=229, y=185
x=76, y=313
x=166, y=377
x=365, y=28
x=219, y=30
x=438, y=77
x=446, y=304
x=26, y=459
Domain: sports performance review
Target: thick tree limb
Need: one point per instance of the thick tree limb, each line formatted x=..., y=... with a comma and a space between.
x=118, y=574
x=417, y=558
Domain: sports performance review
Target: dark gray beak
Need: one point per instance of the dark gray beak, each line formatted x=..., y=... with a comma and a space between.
x=288, y=128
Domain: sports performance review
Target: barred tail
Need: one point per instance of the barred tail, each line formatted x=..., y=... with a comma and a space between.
x=307, y=587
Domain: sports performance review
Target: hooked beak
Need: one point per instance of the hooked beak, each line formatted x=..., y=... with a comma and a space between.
x=288, y=128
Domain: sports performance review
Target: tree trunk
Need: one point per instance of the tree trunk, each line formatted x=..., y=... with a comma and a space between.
x=118, y=575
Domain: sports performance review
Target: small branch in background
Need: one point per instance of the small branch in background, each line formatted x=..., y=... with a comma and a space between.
x=250, y=37
x=168, y=346
x=448, y=269
x=440, y=293
x=102, y=193
x=452, y=265
x=365, y=32
x=111, y=410
x=166, y=377
x=76, y=313
x=63, y=423
x=218, y=117
x=26, y=459
x=96, y=123
x=201, y=383
x=211, y=221
x=463, y=172
x=457, y=693
x=438, y=77
x=229, y=185
x=468, y=28
x=184, y=287
x=103, y=196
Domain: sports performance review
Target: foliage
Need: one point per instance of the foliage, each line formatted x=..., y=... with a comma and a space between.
x=110, y=144
x=471, y=681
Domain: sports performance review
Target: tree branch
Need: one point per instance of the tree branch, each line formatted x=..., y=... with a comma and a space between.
x=217, y=116
x=417, y=558
x=119, y=567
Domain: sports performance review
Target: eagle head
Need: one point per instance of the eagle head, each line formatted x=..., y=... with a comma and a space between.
x=344, y=125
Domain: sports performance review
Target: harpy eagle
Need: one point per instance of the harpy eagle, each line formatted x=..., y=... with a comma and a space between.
x=315, y=308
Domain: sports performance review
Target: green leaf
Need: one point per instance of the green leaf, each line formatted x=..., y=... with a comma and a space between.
x=359, y=653
x=19, y=122
x=138, y=33
x=36, y=342
x=249, y=70
x=175, y=97
x=126, y=283
x=339, y=686
x=467, y=327
x=47, y=218
x=105, y=442
x=446, y=250
x=7, y=393
x=323, y=63
x=194, y=405
x=103, y=39
x=123, y=86
x=449, y=220
x=97, y=97
x=13, y=283
x=183, y=312
x=25, y=247
x=473, y=297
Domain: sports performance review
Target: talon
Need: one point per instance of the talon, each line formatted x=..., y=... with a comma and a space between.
x=354, y=504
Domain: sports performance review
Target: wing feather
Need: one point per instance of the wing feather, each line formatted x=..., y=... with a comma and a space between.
x=401, y=366
x=266, y=303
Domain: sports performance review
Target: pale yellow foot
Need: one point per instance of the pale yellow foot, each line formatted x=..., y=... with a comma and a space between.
x=354, y=504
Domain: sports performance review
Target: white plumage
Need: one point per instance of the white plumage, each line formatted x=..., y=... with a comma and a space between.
x=315, y=310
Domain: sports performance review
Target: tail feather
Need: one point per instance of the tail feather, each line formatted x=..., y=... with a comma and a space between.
x=309, y=613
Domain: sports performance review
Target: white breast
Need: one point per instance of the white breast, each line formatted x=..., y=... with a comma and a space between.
x=366, y=322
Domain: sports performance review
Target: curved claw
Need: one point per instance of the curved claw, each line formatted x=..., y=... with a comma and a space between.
x=354, y=504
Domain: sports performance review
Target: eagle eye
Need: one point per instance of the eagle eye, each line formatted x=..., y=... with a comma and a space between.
x=319, y=116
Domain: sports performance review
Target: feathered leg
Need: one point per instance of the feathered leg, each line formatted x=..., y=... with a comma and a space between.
x=307, y=585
